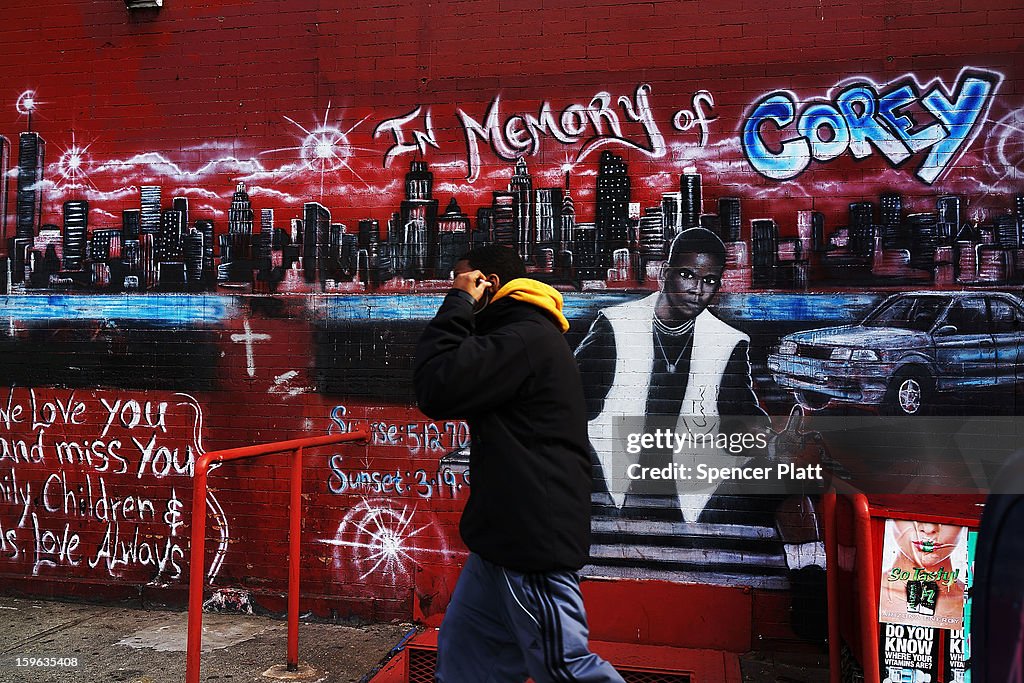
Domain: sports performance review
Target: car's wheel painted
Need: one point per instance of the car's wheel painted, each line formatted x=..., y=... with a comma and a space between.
x=812, y=400
x=910, y=393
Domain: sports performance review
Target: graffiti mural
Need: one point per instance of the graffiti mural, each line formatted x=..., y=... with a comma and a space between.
x=879, y=242
x=384, y=540
x=181, y=272
x=861, y=117
x=77, y=484
x=520, y=135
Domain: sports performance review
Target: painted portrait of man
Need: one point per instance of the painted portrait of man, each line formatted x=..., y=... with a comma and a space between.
x=666, y=357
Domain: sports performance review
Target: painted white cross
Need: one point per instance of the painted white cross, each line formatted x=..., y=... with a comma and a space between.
x=249, y=338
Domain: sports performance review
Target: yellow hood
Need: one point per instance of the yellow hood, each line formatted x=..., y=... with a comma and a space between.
x=542, y=296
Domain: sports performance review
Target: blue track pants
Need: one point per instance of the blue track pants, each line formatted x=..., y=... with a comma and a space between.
x=503, y=626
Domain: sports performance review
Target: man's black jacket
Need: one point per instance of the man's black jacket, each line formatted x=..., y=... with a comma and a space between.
x=510, y=373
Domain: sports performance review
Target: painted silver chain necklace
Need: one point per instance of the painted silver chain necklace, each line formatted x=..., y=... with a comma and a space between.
x=678, y=331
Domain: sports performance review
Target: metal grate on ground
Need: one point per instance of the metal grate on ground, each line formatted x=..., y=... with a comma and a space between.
x=653, y=677
x=421, y=665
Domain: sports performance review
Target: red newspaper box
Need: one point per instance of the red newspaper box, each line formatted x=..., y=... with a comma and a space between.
x=917, y=639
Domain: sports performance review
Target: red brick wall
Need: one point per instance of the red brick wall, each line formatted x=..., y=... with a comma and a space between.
x=196, y=99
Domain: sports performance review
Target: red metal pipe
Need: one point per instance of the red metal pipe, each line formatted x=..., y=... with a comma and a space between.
x=832, y=583
x=868, y=587
x=285, y=446
x=197, y=547
x=294, y=532
x=197, y=565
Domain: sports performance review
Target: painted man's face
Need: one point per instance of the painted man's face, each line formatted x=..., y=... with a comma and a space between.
x=690, y=282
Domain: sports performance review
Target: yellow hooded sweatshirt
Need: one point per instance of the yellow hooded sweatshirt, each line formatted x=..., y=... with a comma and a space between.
x=543, y=296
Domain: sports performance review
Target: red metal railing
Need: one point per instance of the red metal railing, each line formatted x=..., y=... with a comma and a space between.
x=867, y=584
x=197, y=567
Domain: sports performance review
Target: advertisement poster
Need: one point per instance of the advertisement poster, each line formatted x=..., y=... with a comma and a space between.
x=956, y=657
x=958, y=668
x=908, y=654
x=924, y=572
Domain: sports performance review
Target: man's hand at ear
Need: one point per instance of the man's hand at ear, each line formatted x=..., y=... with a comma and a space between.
x=473, y=282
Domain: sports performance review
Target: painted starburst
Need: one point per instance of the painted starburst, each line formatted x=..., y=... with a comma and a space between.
x=383, y=539
x=73, y=164
x=27, y=104
x=323, y=147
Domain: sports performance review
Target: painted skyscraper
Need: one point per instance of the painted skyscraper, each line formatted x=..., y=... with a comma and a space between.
x=612, y=214
x=521, y=187
x=76, y=226
x=5, y=163
x=316, y=232
x=417, y=228
x=30, y=197
x=150, y=209
x=240, y=215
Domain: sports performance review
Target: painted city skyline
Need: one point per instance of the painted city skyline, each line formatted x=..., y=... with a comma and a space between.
x=889, y=234
x=161, y=245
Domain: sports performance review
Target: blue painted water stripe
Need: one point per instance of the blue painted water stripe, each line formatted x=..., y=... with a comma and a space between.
x=166, y=309
x=185, y=309
x=842, y=307
x=424, y=306
x=760, y=307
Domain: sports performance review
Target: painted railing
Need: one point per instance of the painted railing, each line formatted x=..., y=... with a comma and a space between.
x=197, y=567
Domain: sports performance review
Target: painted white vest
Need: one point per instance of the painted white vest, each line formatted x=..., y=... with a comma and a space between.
x=713, y=344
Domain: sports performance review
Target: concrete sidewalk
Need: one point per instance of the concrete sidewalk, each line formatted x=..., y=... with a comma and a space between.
x=104, y=643
x=124, y=644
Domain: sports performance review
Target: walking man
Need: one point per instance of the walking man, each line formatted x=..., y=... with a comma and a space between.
x=494, y=355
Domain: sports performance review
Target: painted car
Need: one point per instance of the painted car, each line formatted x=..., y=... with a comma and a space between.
x=910, y=348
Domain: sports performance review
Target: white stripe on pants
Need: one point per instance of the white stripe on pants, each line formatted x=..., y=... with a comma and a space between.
x=503, y=626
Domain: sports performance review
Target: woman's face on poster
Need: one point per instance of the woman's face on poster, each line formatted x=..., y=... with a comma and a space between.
x=926, y=544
